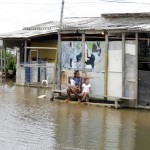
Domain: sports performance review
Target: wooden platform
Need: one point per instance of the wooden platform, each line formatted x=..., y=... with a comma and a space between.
x=62, y=92
x=116, y=100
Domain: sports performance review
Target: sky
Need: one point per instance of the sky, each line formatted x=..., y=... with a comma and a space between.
x=16, y=14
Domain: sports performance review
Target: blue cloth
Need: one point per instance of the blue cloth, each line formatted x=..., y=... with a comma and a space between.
x=77, y=80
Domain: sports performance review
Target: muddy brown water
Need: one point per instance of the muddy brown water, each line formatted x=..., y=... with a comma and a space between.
x=29, y=123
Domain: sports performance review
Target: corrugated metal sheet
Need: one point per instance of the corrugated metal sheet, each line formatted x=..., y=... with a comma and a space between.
x=116, y=15
x=46, y=28
x=26, y=33
x=106, y=22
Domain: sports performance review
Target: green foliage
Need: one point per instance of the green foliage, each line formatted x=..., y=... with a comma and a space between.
x=11, y=64
x=10, y=61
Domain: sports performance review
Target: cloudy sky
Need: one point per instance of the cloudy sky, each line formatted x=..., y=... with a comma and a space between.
x=16, y=14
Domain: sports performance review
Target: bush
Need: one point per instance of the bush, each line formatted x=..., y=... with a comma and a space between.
x=10, y=61
x=11, y=64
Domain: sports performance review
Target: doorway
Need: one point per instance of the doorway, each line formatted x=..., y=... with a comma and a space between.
x=144, y=69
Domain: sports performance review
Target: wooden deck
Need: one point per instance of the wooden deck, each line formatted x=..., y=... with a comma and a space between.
x=116, y=100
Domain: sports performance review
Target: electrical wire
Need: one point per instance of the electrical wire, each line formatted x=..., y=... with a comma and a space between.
x=110, y=1
x=24, y=3
x=76, y=2
x=121, y=1
x=72, y=12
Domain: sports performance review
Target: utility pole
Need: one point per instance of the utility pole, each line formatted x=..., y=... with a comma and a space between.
x=61, y=14
x=59, y=47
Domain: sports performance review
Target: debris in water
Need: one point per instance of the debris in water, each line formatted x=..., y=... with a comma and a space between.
x=42, y=96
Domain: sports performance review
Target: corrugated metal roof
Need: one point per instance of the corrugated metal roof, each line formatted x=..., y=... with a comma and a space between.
x=45, y=28
x=55, y=24
x=26, y=33
x=126, y=22
x=116, y=15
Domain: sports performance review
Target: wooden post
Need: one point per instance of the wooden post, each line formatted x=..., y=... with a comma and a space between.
x=18, y=65
x=59, y=60
x=18, y=57
x=59, y=47
x=83, y=52
x=4, y=57
x=106, y=64
x=123, y=64
x=5, y=60
x=25, y=52
x=55, y=69
x=136, y=72
x=2, y=60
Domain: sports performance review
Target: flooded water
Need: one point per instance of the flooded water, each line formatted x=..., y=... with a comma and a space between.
x=29, y=123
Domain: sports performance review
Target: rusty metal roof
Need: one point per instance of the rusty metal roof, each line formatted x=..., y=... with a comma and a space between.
x=127, y=22
x=116, y=15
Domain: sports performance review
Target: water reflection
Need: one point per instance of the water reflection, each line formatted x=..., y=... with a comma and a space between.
x=31, y=123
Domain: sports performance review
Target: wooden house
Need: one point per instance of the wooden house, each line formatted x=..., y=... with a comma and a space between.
x=112, y=51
